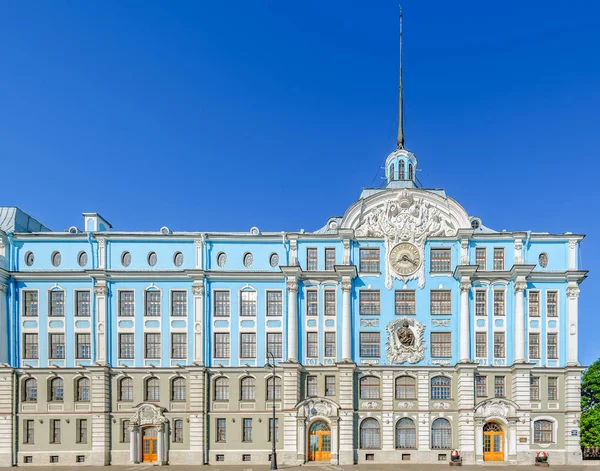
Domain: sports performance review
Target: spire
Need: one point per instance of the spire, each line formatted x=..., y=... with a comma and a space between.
x=400, y=140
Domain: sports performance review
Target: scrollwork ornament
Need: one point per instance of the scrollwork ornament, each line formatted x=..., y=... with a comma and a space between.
x=198, y=290
x=292, y=286
x=346, y=285
x=465, y=286
x=100, y=290
x=573, y=292
x=405, y=341
x=520, y=286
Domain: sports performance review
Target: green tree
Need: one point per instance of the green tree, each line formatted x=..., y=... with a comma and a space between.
x=590, y=406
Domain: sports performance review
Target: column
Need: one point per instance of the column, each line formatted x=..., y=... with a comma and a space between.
x=161, y=443
x=133, y=444
x=346, y=321
x=101, y=293
x=198, y=292
x=519, y=322
x=465, y=336
x=292, y=288
x=572, y=320
x=572, y=254
x=101, y=253
x=3, y=323
x=199, y=243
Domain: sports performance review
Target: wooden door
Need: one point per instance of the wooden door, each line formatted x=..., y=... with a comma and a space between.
x=493, y=442
x=319, y=442
x=149, y=444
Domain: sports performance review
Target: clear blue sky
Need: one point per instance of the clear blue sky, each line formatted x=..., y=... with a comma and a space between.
x=222, y=115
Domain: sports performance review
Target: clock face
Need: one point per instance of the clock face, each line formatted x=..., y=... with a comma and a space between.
x=405, y=258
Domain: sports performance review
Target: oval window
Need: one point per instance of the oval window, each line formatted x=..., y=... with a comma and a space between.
x=274, y=260
x=178, y=259
x=248, y=260
x=222, y=259
x=29, y=259
x=82, y=259
x=543, y=260
x=125, y=259
x=152, y=259
x=56, y=259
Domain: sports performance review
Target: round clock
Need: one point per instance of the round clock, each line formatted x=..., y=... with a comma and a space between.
x=405, y=258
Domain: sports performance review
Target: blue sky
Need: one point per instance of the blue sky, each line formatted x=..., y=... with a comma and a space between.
x=226, y=115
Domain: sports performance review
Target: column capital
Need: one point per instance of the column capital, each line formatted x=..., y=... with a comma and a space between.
x=346, y=286
x=465, y=286
x=100, y=290
x=292, y=286
x=520, y=286
x=572, y=291
x=198, y=290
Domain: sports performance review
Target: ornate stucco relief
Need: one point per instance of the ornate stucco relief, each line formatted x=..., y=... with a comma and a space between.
x=405, y=341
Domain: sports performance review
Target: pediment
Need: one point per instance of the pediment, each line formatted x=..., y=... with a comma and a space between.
x=496, y=408
x=315, y=406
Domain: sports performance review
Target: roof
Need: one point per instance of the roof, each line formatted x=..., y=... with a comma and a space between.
x=12, y=219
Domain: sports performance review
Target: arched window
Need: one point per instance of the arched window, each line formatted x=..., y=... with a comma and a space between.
x=406, y=387
x=441, y=434
x=542, y=431
x=126, y=389
x=401, y=170
x=152, y=389
x=178, y=389
x=369, y=387
x=83, y=389
x=441, y=387
x=370, y=434
x=30, y=390
x=222, y=389
x=406, y=433
x=248, y=389
x=276, y=390
x=410, y=172
x=57, y=389
x=392, y=176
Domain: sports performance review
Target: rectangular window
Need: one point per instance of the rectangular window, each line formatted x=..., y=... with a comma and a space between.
x=222, y=349
x=274, y=429
x=221, y=429
x=31, y=346
x=152, y=346
x=481, y=386
x=126, y=303
x=81, y=430
x=311, y=259
x=274, y=303
x=499, y=303
x=55, y=431
x=330, y=306
x=441, y=302
x=499, y=345
x=179, y=303
x=405, y=302
x=369, y=302
x=552, y=303
x=248, y=303
x=481, y=344
x=125, y=432
x=534, y=346
x=441, y=345
x=312, y=344
x=552, y=346
x=369, y=345
x=28, y=431
x=369, y=261
x=534, y=303
x=57, y=346
x=441, y=261
x=82, y=303
x=311, y=386
x=248, y=345
x=498, y=258
x=552, y=388
x=57, y=303
x=126, y=346
x=275, y=344
x=312, y=302
x=329, y=259
x=222, y=304
x=152, y=304
x=30, y=308
x=178, y=431
x=498, y=386
x=84, y=348
x=246, y=430
x=481, y=257
x=330, y=344
x=330, y=385
x=534, y=388
x=178, y=346
x=480, y=302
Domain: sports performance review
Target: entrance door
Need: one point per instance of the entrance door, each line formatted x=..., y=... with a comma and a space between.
x=493, y=442
x=319, y=442
x=149, y=444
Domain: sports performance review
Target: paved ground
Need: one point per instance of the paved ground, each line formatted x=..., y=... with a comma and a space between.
x=589, y=466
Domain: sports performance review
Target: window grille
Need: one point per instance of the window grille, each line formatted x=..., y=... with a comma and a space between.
x=441, y=344
x=153, y=346
x=369, y=261
x=369, y=345
x=369, y=302
x=441, y=261
x=405, y=302
x=441, y=302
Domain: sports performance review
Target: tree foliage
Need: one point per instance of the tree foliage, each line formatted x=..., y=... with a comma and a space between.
x=590, y=406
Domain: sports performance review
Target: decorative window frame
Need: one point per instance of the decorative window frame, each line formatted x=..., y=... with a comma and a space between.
x=245, y=289
x=549, y=418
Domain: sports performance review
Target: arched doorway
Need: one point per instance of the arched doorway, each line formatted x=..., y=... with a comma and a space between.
x=319, y=441
x=493, y=442
x=149, y=444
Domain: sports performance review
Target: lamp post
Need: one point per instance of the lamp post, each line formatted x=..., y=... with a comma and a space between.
x=273, y=435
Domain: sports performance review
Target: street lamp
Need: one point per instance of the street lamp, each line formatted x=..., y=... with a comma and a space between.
x=273, y=438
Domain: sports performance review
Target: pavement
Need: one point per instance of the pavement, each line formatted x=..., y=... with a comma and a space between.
x=588, y=466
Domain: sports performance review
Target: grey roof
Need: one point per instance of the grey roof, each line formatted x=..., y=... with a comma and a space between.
x=14, y=220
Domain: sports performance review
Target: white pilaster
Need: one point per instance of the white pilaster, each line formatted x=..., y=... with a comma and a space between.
x=101, y=253
x=464, y=252
x=518, y=251
x=466, y=417
x=519, y=322
x=293, y=252
x=101, y=293
x=572, y=414
x=100, y=405
x=199, y=243
x=572, y=254
x=198, y=389
x=198, y=292
x=572, y=320
x=292, y=339
x=465, y=325
x=346, y=413
x=346, y=321
x=3, y=323
x=346, y=259
x=7, y=439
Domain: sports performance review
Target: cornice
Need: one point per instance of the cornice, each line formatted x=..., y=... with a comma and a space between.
x=344, y=271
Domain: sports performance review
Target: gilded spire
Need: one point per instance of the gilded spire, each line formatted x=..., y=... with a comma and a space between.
x=400, y=140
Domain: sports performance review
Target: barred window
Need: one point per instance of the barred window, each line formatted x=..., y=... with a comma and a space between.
x=330, y=344
x=481, y=386
x=178, y=389
x=329, y=258
x=221, y=430
x=311, y=386
x=152, y=304
x=369, y=302
x=441, y=434
x=441, y=344
x=31, y=303
x=534, y=303
x=82, y=306
x=552, y=346
x=31, y=346
x=534, y=346
x=369, y=261
x=55, y=431
x=126, y=303
x=480, y=302
x=498, y=258
x=552, y=303
x=441, y=261
x=552, y=388
x=222, y=389
x=330, y=385
x=406, y=434
x=542, y=431
x=275, y=344
x=57, y=389
x=152, y=346
x=330, y=306
x=499, y=303
x=152, y=390
x=248, y=389
x=274, y=388
x=248, y=303
x=441, y=302
x=126, y=346
x=481, y=344
x=369, y=345
x=57, y=303
x=499, y=345
x=126, y=389
x=274, y=303
x=312, y=344
x=248, y=345
x=441, y=387
x=405, y=302
x=222, y=348
x=83, y=348
x=499, y=386
x=28, y=428
x=274, y=430
x=406, y=387
x=178, y=430
x=246, y=430
x=312, y=303
x=83, y=389
x=57, y=346
x=534, y=388
x=178, y=346
x=370, y=434
x=222, y=304
x=30, y=390
x=125, y=432
x=311, y=259
x=481, y=257
x=179, y=303
x=369, y=387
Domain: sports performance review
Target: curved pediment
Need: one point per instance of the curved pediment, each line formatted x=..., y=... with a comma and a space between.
x=314, y=406
x=496, y=408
